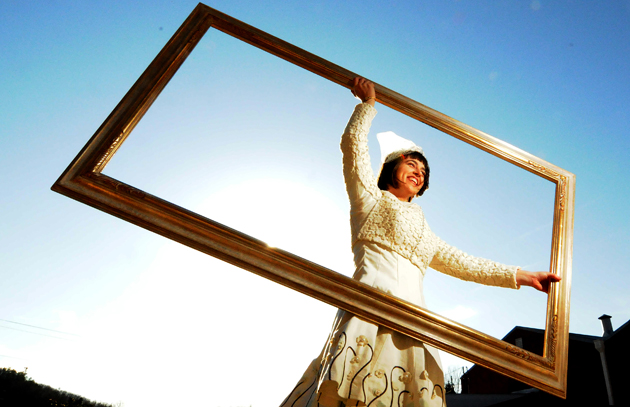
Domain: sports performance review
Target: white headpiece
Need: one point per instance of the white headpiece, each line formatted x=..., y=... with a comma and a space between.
x=393, y=146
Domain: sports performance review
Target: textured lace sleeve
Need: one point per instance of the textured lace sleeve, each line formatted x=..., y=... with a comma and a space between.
x=357, y=170
x=454, y=262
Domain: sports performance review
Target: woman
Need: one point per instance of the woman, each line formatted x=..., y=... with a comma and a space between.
x=364, y=364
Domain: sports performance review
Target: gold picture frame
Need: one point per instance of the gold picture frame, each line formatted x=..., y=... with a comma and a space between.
x=83, y=181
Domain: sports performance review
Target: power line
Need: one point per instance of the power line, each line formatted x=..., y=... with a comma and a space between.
x=39, y=327
x=35, y=333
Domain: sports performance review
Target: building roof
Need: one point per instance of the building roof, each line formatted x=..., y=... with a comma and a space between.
x=576, y=337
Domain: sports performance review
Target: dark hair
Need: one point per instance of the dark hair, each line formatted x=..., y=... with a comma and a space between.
x=387, y=177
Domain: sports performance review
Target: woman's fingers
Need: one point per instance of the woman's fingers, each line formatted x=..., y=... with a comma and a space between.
x=357, y=83
x=546, y=279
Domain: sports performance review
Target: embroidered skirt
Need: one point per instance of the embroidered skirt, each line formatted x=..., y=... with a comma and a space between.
x=364, y=364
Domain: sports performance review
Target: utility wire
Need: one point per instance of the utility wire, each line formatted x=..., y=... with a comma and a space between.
x=39, y=327
x=35, y=333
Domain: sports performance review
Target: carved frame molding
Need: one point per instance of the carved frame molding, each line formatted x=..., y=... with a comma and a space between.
x=83, y=181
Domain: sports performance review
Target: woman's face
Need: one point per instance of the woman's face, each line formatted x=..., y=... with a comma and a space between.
x=410, y=176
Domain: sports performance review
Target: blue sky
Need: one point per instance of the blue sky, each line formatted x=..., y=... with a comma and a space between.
x=251, y=141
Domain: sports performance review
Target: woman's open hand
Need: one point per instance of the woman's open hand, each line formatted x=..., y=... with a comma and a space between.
x=540, y=280
x=364, y=90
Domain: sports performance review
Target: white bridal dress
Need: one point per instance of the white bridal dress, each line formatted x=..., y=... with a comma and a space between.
x=364, y=364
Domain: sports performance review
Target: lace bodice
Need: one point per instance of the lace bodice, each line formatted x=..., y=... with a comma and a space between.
x=378, y=216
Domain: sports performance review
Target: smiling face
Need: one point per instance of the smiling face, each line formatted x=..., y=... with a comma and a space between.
x=404, y=175
x=409, y=175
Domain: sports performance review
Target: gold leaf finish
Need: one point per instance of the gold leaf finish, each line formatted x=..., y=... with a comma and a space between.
x=83, y=181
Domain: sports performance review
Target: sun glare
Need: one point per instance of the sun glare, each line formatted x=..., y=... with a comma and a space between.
x=286, y=215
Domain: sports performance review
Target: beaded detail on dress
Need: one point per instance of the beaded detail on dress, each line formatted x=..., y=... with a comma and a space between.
x=402, y=228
